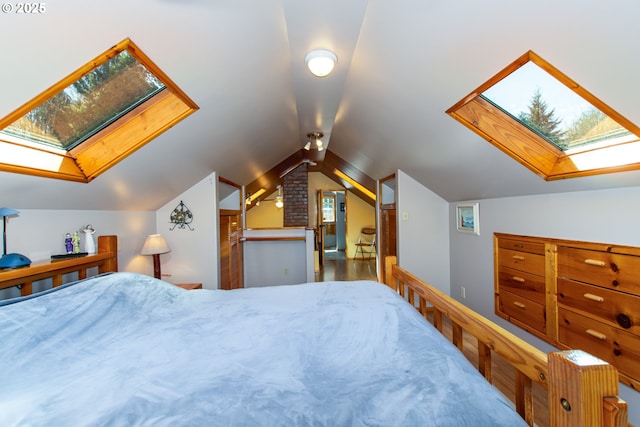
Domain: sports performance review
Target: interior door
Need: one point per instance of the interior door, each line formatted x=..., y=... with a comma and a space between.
x=231, y=251
x=329, y=220
x=388, y=227
x=230, y=234
x=319, y=227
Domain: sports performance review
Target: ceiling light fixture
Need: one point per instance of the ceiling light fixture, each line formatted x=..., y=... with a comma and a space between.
x=314, y=137
x=320, y=62
x=279, y=201
x=251, y=197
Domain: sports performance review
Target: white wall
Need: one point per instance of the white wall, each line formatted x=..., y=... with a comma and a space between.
x=276, y=257
x=423, y=232
x=607, y=216
x=194, y=254
x=39, y=233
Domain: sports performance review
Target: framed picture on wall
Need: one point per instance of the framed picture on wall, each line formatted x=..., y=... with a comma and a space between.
x=467, y=218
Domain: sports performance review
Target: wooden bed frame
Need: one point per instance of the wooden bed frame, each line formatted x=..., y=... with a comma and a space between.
x=106, y=260
x=582, y=390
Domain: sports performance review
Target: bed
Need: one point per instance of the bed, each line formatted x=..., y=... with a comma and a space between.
x=128, y=349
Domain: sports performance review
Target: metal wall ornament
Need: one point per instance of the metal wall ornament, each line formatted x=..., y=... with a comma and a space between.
x=181, y=217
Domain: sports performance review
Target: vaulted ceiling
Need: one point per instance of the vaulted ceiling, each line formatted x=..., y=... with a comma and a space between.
x=401, y=64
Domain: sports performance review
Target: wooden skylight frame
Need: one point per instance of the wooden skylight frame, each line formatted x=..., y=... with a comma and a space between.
x=108, y=146
x=535, y=152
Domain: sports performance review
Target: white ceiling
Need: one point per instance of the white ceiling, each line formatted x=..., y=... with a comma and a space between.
x=401, y=64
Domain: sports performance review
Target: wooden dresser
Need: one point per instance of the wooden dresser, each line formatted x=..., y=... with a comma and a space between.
x=520, y=283
x=573, y=294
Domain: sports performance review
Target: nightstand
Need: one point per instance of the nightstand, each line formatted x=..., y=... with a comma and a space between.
x=189, y=286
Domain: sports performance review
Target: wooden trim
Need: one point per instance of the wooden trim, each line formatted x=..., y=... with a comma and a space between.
x=229, y=182
x=106, y=260
x=230, y=212
x=273, y=239
x=595, y=246
x=62, y=165
x=131, y=132
x=509, y=136
x=551, y=285
x=135, y=51
x=565, y=372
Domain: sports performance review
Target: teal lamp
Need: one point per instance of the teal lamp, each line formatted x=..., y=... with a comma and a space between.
x=10, y=260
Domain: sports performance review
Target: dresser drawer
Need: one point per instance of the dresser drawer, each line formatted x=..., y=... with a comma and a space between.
x=614, y=271
x=618, y=347
x=523, y=310
x=522, y=261
x=521, y=283
x=522, y=245
x=613, y=308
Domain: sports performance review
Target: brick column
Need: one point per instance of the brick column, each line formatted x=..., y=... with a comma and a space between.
x=296, y=197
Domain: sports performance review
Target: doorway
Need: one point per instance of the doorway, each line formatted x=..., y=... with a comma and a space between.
x=334, y=221
x=338, y=262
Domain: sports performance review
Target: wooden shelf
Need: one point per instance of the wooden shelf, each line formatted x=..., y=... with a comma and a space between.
x=106, y=260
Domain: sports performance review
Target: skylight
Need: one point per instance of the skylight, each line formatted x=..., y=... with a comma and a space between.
x=547, y=122
x=93, y=118
x=89, y=104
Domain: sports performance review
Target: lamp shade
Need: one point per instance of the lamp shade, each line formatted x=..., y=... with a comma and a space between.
x=8, y=212
x=10, y=260
x=155, y=244
x=321, y=62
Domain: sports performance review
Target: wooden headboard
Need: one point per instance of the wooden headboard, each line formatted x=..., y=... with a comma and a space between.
x=106, y=260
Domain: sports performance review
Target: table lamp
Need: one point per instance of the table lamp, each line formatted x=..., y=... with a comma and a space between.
x=10, y=260
x=155, y=245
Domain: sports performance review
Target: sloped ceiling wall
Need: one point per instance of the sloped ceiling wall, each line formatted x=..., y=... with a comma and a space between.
x=400, y=66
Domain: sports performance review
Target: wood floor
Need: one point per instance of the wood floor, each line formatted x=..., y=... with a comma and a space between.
x=338, y=267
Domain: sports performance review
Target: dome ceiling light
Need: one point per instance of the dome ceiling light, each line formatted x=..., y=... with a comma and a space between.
x=321, y=62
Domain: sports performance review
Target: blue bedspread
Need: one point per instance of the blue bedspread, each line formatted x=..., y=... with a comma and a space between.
x=129, y=350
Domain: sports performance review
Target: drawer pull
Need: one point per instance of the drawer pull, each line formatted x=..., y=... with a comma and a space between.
x=595, y=262
x=519, y=304
x=518, y=257
x=596, y=334
x=593, y=297
x=517, y=279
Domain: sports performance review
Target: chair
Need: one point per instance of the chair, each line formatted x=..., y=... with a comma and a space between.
x=366, y=244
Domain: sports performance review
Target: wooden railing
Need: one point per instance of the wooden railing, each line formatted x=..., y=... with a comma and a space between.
x=582, y=389
x=106, y=260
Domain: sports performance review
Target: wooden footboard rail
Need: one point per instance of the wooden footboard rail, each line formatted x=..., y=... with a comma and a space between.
x=582, y=389
x=106, y=260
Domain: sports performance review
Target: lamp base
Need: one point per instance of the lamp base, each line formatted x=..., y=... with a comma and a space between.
x=14, y=261
x=156, y=267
